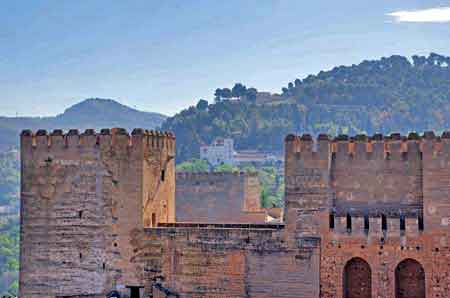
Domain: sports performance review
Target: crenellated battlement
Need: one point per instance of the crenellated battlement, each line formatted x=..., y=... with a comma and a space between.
x=116, y=137
x=305, y=147
x=391, y=147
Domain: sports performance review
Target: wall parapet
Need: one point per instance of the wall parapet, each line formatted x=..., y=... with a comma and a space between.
x=393, y=146
x=41, y=139
x=221, y=226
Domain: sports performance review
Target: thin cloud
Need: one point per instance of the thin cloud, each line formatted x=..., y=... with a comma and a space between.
x=431, y=15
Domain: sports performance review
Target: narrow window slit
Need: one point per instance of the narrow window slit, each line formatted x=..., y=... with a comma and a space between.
x=384, y=226
x=349, y=222
x=402, y=223
x=420, y=222
x=331, y=221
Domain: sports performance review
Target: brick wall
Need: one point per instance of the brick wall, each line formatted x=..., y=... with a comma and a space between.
x=218, y=198
x=90, y=203
x=82, y=196
x=383, y=200
x=227, y=262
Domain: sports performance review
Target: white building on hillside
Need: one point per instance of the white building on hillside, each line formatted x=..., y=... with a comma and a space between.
x=221, y=151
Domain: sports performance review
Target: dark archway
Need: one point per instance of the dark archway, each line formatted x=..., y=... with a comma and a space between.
x=357, y=279
x=409, y=280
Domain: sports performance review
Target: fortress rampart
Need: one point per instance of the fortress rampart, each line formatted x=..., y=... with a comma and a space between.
x=82, y=196
x=363, y=217
x=218, y=198
x=373, y=202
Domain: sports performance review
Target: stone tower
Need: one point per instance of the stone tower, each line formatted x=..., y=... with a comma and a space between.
x=83, y=197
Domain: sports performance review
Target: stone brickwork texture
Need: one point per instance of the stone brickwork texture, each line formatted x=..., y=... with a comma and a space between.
x=82, y=195
x=363, y=217
x=381, y=200
x=218, y=198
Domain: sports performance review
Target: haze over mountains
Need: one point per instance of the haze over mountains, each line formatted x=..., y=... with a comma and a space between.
x=94, y=113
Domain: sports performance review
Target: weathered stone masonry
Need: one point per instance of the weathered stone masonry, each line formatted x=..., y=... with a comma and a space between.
x=380, y=201
x=82, y=196
x=218, y=198
x=364, y=217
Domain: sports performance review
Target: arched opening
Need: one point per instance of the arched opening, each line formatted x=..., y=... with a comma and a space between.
x=357, y=279
x=409, y=280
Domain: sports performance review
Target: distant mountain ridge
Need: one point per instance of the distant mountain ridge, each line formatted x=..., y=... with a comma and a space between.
x=94, y=113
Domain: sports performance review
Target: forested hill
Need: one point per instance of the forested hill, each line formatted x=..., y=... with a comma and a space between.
x=390, y=94
x=94, y=113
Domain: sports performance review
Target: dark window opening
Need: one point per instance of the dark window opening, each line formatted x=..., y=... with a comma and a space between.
x=153, y=220
x=420, y=221
x=103, y=266
x=134, y=291
x=402, y=223
x=384, y=222
x=366, y=223
x=163, y=175
x=349, y=222
x=81, y=255
x=80, y=214
x=331, y=221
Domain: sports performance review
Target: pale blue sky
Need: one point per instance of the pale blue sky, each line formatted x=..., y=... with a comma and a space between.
x=163, y=56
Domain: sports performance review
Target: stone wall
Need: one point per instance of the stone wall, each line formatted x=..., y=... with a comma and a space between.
x=218, y=198
x=361, y=216
x=382, y=201
x=82, y=195
x=378, y=176
x=383, y=254
x=227, y=261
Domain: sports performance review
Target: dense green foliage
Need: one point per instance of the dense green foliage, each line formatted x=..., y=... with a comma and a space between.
x=252, y=126
x=226, y=168
x=238, y=91
x=9, y=254
x=386, y=95
x=9, y=220
x=9, y=178
x=193, y=166
x=272, y=187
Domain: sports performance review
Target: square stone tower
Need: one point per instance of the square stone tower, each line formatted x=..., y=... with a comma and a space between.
x=83, y=196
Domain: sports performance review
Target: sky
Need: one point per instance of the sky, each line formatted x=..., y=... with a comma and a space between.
x=163, y=56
